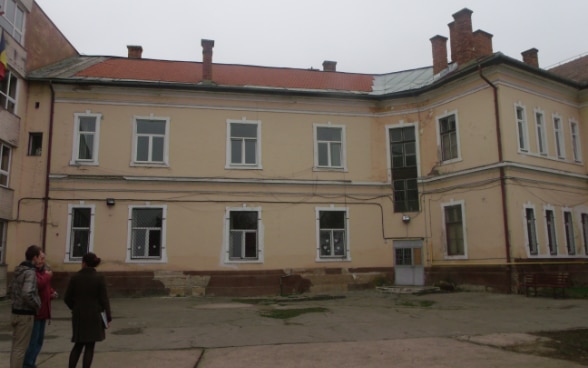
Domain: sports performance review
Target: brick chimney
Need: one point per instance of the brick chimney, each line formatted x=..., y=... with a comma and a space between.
x=329, y=66
x=207, y=46
x=531, y=57
x=461, y=37
x=135, y=52
x=439, y=44
x=482, y=44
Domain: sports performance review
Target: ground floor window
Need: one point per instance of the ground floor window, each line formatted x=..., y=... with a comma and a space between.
x=531, y=231
x=585, y=231
x=80, y=233
x=454, y=229
x=3, y=225
x=569, y=230
x=333, y=239
x=244, y=234
x=551, y=235
x=147, y=233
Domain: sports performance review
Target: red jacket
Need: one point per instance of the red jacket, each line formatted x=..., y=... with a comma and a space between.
x=45, y=291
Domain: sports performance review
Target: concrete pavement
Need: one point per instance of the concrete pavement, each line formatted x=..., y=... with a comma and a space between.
x=357, y=329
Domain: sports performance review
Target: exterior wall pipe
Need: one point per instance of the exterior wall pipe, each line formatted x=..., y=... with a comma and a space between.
x=47, y=174
x=502, y=179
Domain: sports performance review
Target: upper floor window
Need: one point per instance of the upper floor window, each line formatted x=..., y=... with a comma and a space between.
x=584, y=224
x=453, y=218
x=333, y=238
x=151, y=141
x=5, y=158
x=531, y=233
x=35, y=144
x=80, y=232
x=243, y=144
x=244, y=235
x=13, y=19
x=147, y=233
x=8, y=87
x=576, y=146
x=522, y=128
x=559, y=137
x=541, y=133
x=403, y=154
x=86, y=138
x=448, y=137
x=329, y=147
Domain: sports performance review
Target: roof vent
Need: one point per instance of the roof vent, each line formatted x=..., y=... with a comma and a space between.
x=135, y=52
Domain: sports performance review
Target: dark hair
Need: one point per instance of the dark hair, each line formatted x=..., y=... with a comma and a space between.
x=91, y=260
x=32, y=252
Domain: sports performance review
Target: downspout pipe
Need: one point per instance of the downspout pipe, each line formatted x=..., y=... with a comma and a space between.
x=48, y=168
x=502, y=179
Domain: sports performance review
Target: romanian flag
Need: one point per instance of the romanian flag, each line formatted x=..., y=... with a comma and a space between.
x=3, y=62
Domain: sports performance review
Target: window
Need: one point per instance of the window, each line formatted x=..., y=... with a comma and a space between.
x=329, y=147
x=243, y=231
x=80, y=234
x=522, y=128
x=531, y=231
x=585, y=232
x=8, y=91
x=403, y=153
x=151, y=141
x=3, y=226
x=35, y=144
x=86, y=138
x=147, y=234
x=453, y=218
x=569, y=231
x=541, y=134
x=5, y=158
x=559, y=137
x=448, y=138
x=576, y=151
x=551, y=235
x=13, y=19
x=243, y=144
x=333, y=237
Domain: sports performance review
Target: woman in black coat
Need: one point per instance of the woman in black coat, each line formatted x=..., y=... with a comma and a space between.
x=87, y=298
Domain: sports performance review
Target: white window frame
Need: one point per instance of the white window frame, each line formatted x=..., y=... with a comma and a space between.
x=568, y=231
x=150, y=162
x=522, y=128
x=534, y=228
x=227, y=236
x=146, y=260
x=330, y=166
x=75, y=159
x=11, y=103
x=452, y=203
x=576, y=141
x=347, y=256
x=558, y=133
x=548, y=230
x=243, y=165
x=9, y=24
x=438, y=119
x=542, y=146
x=5, y=172
x=68, y=246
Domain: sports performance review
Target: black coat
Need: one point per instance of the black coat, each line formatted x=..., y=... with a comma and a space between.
x=87, y=297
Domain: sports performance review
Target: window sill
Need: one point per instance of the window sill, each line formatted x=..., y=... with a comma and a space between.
x=326, y=169
x=82, y=163
x=243, y=167
x=149, y=164
x=334, y=259
x=256, y=261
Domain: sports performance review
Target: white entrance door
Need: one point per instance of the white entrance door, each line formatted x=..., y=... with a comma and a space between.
x=408, y=262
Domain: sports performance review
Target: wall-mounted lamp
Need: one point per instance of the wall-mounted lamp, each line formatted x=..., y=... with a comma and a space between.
x=110, y=202
x=405, y=219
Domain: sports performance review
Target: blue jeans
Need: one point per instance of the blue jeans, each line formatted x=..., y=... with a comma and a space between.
x=35, y=344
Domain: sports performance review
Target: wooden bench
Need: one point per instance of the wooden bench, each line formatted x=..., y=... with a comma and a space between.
x=554, y=280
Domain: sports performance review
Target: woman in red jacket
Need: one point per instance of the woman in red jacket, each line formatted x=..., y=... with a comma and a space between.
x=87, y=298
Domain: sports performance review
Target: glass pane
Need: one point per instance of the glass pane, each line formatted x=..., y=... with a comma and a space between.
x=18, y=20
x=328, y=134
x=142, y=148
x=396, y=135
x=157, y=149
x=399, y=185
x=81, y=217
x=87, y=124
x=332, y=219
x=86, y=147
x=138, y=241
x=243, y=220
x=236, y=151
x=408, y=134
x=151, y=127
x=147, y=217
x=244, y=130
x=154, y=243
x=3, y=179
x=12, y=86
x=335, y=154
x=235, y=244
x=5, y=163
x=325, y=243
x=250, y=147
x=323, y=154
x=250, y=244
x=80, y=242
x=339, y=243
x=397, y=162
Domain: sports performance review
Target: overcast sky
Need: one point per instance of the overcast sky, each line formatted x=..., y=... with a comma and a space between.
x=362, y=36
